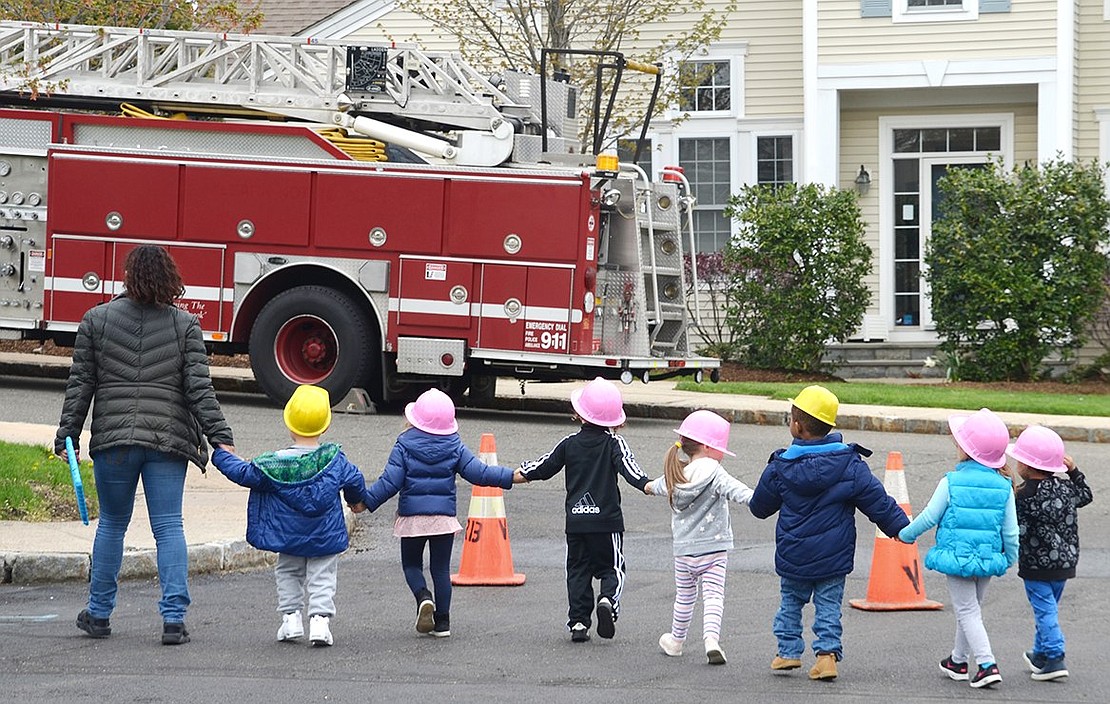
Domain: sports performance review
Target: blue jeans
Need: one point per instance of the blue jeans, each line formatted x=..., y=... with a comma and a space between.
x=827, y=595
x=117, y=471
x=1045, y=597
x=439, y=565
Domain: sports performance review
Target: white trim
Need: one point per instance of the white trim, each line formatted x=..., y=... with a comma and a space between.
x=887, y=125
x=1102, y=117
x=923, y=74
x=902, y=13
x=1062, y=140
x=428, y=306
x=66, y=284
x=814, y=151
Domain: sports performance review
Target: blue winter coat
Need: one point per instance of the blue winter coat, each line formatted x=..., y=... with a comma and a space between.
x=969, y=535
x=294, y=505
x=816, y=487
x=422, y=468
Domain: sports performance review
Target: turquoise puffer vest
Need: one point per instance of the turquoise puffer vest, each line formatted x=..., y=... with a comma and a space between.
x=969, y=537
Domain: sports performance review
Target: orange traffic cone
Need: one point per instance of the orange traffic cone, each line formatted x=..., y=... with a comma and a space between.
x=487, y=559
x=896, y=582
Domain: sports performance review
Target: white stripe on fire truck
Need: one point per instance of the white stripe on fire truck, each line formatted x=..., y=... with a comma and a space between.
x=484, y=310
x=193, y=293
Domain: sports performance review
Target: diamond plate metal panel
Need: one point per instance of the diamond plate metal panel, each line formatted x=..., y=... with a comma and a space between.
x=623, y=328
x=219, y=142
x=423, y=355
x=25, y=136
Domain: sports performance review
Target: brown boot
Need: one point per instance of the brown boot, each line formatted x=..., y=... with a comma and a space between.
x=825, y=667
x=781, y=664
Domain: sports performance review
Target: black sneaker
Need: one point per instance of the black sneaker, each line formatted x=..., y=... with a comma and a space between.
x=579, y=633
x=1034, y=660
x=95, y=627
x=955, y=670
x=986, y=676
x=425, y=608
x=606, y=623
x=442, y=627
x=174, y=633
x=1053, y=670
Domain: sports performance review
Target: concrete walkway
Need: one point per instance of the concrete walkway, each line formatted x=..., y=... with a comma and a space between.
x=214, y=507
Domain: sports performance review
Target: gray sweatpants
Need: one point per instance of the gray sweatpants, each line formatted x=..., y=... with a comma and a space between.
x=971, y=637
x=316, y=575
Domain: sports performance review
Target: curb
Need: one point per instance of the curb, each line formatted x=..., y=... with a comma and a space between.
x=51, y=369
x=37, y=568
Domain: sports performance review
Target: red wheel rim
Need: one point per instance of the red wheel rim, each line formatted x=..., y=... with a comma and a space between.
x=306, y=349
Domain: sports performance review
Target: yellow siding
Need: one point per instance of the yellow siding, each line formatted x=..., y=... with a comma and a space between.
x=1093, y=75
x=1029, y=29
x=859, y=144
x=404, y=28
x=773, y=68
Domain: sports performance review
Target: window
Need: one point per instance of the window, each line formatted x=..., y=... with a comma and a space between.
x=708, y=167
x=936, y=10
x=626, y=149
x=774, y=160
x=706, y=86
x=955, y=139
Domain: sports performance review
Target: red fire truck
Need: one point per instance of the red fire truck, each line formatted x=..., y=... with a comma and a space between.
x=359, y=217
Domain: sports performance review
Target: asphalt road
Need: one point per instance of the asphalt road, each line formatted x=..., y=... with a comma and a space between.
x=509, y=643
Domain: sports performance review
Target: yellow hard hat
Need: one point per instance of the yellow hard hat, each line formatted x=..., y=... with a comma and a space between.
x=308, y=412
x=819, y=402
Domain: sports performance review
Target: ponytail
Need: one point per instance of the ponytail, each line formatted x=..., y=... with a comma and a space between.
x=674, y=468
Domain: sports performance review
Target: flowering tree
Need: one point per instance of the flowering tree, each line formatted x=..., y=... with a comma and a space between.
x=223, y=15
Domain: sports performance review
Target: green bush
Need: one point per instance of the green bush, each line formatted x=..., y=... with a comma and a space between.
x=799, y=262
x=1016, y=263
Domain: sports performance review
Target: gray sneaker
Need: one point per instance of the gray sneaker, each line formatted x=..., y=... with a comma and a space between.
x=1053, y=670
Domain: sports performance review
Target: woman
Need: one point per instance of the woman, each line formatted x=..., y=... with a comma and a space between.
x=142, y=364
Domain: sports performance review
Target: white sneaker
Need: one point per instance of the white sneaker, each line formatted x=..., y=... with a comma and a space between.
x=671, y=646
x=292, y=627
x=319, y=630
x=713, y=652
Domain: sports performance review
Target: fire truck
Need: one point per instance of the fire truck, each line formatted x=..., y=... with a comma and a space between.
x=372, y=219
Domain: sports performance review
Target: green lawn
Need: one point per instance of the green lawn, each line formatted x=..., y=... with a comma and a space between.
x=35, y=485
x=925, y=395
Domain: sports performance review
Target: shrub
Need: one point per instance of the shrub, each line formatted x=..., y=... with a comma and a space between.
x=799, y=262
x=1016, y=265
x=709, y=316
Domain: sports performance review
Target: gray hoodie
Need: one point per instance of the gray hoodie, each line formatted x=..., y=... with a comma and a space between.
x=700, y=523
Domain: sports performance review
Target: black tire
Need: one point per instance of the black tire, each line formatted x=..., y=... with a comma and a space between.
x=312, y=335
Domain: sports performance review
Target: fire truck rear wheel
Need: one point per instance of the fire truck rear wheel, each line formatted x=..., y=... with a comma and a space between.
x=311, y=335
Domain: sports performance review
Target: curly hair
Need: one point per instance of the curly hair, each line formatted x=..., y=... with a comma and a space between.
x=151, y=275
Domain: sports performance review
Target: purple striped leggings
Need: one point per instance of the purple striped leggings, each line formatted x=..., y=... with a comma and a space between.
x=710, y=570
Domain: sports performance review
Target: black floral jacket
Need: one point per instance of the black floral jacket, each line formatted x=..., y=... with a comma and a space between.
x=1049, y=527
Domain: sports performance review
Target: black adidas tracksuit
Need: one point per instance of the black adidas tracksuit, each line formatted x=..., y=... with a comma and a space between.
x=595, y=524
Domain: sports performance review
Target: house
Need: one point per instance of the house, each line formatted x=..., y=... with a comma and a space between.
x=881, y=95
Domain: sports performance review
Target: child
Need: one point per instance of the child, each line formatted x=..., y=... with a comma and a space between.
x=295, y=511
x=699, y=492
x=816, y=485
x=977, y=536
x=422, y=468
x=1049, y=538
x=594, y=525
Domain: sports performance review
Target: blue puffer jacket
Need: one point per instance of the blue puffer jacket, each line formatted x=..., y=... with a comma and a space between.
x=422, y=468
x=969, y=536
x=294, y=505
x=816, y=487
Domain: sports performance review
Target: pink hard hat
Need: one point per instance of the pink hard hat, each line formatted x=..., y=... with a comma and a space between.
x=982, y=435
x=1040, y=448
x=708, y=428
x=433, y=412
x=599, y=402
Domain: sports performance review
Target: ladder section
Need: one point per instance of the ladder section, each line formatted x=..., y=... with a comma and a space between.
x=286, y=75
x=661, y=264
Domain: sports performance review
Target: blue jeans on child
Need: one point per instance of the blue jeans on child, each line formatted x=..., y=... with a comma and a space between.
x=827, y=595
x=1045, y=597
x=117, y=471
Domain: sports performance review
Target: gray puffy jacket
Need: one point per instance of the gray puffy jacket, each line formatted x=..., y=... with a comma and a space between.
x=144, y=368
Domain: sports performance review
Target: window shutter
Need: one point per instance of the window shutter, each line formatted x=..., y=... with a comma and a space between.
x=994, y=6
x=874, y=8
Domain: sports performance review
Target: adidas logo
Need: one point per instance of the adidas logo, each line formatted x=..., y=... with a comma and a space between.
x=585, y=505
